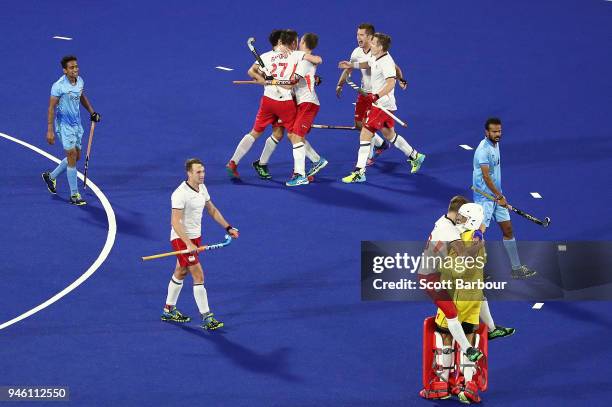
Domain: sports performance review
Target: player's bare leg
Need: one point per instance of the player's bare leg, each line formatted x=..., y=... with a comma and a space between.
x=261, y=165
x=243, y=147
x=519, y=270
x=201, y=297
x=170, y=312
x=299, y=161
x=414, y=158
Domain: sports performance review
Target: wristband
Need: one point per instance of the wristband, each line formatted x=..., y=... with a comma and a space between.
x=230, y=227
x=356, y=65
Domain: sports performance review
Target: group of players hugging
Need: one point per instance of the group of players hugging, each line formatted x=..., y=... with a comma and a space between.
x=290, y=103
x=455, y=343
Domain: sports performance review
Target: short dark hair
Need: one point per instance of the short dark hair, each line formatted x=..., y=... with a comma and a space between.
x=384, y=40
x=288, y=37
x=190, y=162
x=457, y=202
x=67, y=59
x=369, y=28
x=274, y=37
x=311, y=40
x=492, y=120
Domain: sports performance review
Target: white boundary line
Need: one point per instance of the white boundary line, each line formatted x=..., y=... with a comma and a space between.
x=224, y=68
x=58, y=37
x=110, y=239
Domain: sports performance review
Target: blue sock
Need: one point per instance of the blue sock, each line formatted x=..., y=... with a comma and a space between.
x=61, y=167
x=71, y=174
x=512, y=251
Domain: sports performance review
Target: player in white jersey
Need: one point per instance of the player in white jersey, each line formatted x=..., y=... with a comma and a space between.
x=383, y=85
x=188, y=203
x=277, y=102
x=360, y=54
x=307, y=108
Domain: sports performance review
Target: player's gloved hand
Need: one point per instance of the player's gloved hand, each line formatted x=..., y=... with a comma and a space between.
x=478, y=235
x=372, y=97
x=403, y=83
x=95, y=117
x=318, y=80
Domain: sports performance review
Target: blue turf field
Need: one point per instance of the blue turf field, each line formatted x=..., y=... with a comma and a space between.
x=289, y=291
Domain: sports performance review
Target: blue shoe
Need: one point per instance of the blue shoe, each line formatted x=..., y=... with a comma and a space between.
x=51, y=183
x=174, y=315
x=296, y=180
x=416, y=163
x=316, y=167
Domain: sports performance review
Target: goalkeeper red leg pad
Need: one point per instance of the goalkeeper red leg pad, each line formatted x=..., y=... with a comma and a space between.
x=438, y=363
x=476, y=372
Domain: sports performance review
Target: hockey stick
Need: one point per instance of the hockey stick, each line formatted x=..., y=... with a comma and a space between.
x=329, y=126
x=91, y=133
x=228, y=240
x=519, y=212
x=250, y=43
x=267, y=82
x=364, y=93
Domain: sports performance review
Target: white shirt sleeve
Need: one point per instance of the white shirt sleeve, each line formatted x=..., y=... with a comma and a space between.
x=205, y=192
x=388, y=68
x=178, y=199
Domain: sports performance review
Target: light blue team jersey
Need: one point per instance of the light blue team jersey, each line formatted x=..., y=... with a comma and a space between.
x=488, y=154
x=68, y=113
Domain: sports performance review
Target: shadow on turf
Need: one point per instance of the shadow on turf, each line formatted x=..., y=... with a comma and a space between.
x=273, y=363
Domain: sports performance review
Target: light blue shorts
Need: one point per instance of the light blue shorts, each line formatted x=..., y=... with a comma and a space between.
x=71, y=136
x=493, y=211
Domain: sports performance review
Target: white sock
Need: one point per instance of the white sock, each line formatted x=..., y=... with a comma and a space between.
x=269, y=148
x=364, y=151
x=311, y=153
x=468, y=366
x=174, y=289
x=243, y=147
x=299, y=159
x=377, y=141
x=455, y=328
x=201, y=298
x=401, y=143
x=485, y=315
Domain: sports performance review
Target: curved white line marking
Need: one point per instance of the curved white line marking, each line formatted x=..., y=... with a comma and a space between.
x=110, y=238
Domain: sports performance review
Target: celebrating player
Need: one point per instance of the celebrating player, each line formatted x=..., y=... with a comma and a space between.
x=66, y=95
x=362, y=53
x=188, y=203
x=307, y=108
x=277, y=101
x=383, y=87
x=486, y=176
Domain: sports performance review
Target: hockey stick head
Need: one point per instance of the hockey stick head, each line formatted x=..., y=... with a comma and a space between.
x=546, y=222
x=250, y=43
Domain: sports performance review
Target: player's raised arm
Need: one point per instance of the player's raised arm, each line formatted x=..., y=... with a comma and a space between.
x=53, y=101
x=177, y=225
x=218, y=217
x=356, y=65
x=255, y=73
x=400, y=77
x=313, y=59
x=342, y=80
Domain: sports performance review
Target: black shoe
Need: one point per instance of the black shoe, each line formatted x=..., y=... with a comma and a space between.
x=523, y=272
x=77, y=200
x=474, y=354
x=46, y=176
x=262, y=170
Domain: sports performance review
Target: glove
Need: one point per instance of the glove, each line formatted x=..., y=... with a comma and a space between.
x=478, y=234
x=95, y=117
x=372, y=97
x=317, y=80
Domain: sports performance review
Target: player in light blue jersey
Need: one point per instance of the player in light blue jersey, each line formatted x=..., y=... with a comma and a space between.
x=64, y=119
x=486, y=176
